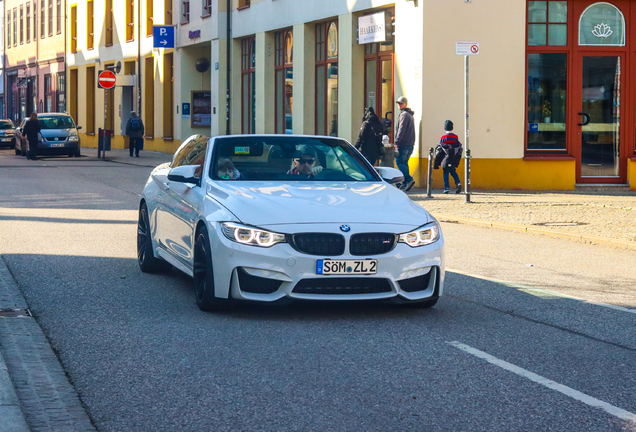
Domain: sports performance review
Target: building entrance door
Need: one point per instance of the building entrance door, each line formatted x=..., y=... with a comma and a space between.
x=601, y=128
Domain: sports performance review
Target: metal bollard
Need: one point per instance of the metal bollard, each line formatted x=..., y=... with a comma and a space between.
x=467, y=175
x=429, y=185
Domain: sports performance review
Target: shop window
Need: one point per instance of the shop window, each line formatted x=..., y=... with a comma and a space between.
x=130, y=20
x=28, y=22
x=547, y=90
x=327, y=79
x=42, y=19
x=90, y=100
x=49, y=95
x=602, y=24
x=248, y=85
x=21, y=24
x=9, y=29
x=167, y=7
x=207, y=8
x=108, y=22
x=284, y=81
x=74, y=28
x=61, y=92
x=185, y=11
x=242, y=4
x=547, y=23
x=90, y=25
x=150, y=16
x=50, y=17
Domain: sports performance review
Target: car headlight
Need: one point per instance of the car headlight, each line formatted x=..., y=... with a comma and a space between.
x=73, y=138
x=425, y=235
x=251, y=236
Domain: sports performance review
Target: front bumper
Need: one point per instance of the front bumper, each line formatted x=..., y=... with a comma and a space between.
x=7, y=141
x=58, y=148
x=270, y=274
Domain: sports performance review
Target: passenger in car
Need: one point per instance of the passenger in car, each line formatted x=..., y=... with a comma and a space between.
x=305, y=165
x=226, y=170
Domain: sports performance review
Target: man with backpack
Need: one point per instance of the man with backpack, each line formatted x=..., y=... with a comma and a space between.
x=135, y=132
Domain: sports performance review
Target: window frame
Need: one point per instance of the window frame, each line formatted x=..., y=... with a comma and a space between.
x=324, y=61
x=247, y=69
x=282, y=65
x=9, y=17
x=15, y=26
x=21, y=24
x=185, y=12
x=150, y=17
x=27, y=27
x=108, y=23
x=243, y=4
x=130, y=20
x=58, y=18
x=90, y=25
x=551, y=49
x=73, y=35
x=206, y=8
x=60, y=90
x=49, y=91
x=42, y=19
x=50, y=17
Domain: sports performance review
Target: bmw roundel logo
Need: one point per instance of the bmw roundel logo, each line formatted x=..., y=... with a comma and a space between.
x=345, y=228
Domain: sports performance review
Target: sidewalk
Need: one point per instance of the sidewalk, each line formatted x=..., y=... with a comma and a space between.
x=604, y=215
x=146, y=158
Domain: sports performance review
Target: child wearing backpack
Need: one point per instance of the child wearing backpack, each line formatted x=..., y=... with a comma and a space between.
x=447, y=155
x=135, y=133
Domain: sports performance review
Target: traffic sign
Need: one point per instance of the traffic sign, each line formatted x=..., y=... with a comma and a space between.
x=106, y=79
x=163, y=36
x=464, y=48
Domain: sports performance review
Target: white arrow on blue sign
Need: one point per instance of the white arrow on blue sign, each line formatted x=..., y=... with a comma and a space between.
x=163, y=36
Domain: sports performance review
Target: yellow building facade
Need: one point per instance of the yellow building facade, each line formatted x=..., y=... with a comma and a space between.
x=115, y=34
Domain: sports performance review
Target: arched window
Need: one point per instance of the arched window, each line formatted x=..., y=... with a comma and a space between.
x=602, y=24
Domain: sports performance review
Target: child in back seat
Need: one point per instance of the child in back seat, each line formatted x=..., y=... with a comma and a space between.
x=226, y=170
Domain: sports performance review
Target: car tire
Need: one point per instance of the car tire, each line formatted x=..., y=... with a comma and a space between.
x=426, y=304
x=203, y=275
x=148, y=263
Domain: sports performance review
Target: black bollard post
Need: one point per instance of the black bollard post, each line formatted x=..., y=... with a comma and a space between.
x=429, y=185
x=467, y=181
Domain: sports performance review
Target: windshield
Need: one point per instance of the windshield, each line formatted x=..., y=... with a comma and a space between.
x=55, y=122
x=276, y=158
x=4, y=124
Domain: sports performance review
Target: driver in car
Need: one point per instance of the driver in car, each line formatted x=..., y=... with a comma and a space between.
x=305, y=165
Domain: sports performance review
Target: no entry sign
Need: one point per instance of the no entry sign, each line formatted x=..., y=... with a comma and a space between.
x=106, y=79
x=466, y=48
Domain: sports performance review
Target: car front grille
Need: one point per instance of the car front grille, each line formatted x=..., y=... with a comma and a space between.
x=342, y=286
x=418, y=283
x=367, y=244
x=256, y=284
x=323, y=244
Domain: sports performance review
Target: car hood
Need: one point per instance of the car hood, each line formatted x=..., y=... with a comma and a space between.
x=56, y=132
x=272, y=203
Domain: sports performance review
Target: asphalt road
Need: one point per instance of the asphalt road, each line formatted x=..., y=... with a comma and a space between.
x=491, y=356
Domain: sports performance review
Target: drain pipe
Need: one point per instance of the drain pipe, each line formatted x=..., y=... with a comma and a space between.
x=139, y=58
x=228, y=71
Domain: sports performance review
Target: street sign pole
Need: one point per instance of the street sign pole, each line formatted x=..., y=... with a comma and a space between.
x=104, y=130
x=466, y=126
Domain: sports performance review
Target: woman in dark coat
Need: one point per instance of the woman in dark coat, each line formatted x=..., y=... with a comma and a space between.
x=370, y=140
x=31, y=130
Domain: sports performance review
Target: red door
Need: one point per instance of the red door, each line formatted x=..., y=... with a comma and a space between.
x=602, y=118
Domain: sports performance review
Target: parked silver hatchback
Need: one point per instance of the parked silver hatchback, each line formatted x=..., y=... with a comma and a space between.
x=59, y=136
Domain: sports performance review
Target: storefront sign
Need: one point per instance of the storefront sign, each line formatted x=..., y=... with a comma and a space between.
x=194, y=34
x=371, y=28
x=463, y=48
x=201, y=108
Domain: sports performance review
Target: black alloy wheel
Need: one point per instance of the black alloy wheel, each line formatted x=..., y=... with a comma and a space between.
x=204, y=275
x=145, y=257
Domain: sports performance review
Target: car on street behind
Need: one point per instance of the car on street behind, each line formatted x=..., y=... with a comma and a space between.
x=7, y=133
x=273, y=217
x=59, y=136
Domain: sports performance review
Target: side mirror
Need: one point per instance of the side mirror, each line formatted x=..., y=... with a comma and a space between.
x=390, y=175
x=78, y=127
x=185, y=174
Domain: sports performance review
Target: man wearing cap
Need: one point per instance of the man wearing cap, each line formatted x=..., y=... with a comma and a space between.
x=405, y=140
x=135, y=132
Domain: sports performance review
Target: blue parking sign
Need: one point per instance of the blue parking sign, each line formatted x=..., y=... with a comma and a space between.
x=163, y=36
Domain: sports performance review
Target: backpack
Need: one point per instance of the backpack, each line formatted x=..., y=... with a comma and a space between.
x=135, y=124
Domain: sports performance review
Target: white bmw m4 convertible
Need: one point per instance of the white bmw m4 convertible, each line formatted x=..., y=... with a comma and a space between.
x=269, y=217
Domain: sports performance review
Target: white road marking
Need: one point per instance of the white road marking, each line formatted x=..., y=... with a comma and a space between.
x=543, y=292
x=574, y=394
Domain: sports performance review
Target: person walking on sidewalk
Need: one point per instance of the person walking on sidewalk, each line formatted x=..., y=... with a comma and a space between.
x=31, y=131
x=370, y=139
x=447, y=155
x=404, y=141
x=135, y=132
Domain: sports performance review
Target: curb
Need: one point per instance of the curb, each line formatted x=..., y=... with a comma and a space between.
x=534, y=230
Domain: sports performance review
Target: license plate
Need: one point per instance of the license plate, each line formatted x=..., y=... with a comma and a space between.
x=6, y=139
x=57, y=145
x=343, y=267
